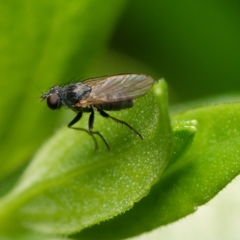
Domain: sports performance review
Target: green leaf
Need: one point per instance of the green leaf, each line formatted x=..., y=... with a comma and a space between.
x=43, y=43
x=211, y=162
x=70, y=186
x=213, y=100
x=183, y=135
x=25, y=234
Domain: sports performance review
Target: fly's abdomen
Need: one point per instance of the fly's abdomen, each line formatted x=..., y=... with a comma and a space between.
x=114, y=106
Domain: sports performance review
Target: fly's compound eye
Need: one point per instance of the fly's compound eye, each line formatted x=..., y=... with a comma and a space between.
x=53, y=101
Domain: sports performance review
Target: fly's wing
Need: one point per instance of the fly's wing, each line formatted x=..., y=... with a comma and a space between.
x=117, y=88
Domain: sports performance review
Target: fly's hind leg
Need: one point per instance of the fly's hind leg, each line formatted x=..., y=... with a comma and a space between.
x=104, y=114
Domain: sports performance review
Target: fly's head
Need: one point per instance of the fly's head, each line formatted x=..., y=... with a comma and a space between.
x=53, y=97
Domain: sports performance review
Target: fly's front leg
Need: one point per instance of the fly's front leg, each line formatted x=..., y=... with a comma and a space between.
x=104, y=114
x=75, y=120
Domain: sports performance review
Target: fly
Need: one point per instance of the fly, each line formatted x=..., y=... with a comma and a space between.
x=101, y=94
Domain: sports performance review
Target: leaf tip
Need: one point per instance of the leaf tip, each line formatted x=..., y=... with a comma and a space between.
x=160, y=87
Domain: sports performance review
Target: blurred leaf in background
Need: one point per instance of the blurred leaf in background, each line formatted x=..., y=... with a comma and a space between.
x=193, y=44
x=42, y=44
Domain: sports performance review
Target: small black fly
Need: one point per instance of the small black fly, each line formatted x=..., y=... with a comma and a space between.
x=99, y=94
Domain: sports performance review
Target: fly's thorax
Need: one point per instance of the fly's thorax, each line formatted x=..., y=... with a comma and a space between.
x=75, y=92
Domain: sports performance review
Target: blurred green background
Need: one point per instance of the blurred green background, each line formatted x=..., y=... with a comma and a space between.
x=194, y=45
